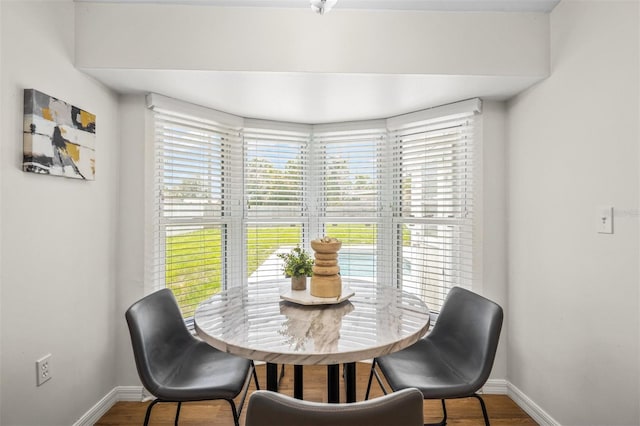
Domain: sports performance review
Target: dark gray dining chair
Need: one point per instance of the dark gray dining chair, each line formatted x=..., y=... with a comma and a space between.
x=268, y=408
x=175, y=366
x=455, y=359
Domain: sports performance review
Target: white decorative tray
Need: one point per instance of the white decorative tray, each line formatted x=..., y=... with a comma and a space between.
x=303, y=297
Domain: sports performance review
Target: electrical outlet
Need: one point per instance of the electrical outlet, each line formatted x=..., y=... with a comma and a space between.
x=43, y=369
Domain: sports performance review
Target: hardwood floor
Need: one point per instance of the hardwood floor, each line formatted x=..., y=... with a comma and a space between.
x=463, y=412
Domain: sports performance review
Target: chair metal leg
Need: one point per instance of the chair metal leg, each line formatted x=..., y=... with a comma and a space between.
x=484, y=409
x=373, y=365
x=442, y=422
x=255, y=376
x=148, y=414
x=178, y=413
x=236, y=414
x=235, y=411
x=374, y=372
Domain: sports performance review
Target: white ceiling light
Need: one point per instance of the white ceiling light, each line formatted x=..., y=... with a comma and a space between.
x=322, y=6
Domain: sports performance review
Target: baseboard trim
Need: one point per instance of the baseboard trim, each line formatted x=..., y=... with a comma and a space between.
x=119, y=393
x=495, y=387
x=131, y=393
x=531, y=408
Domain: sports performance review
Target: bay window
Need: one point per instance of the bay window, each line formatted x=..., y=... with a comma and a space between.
x=230, y=193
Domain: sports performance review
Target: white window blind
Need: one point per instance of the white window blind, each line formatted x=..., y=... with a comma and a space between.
x=193, y=162
x=231, y=193
x=348, y=166
x=359, y=255
x=433, y=193
x=265, y=240
x=276, y=195
x=275, y=173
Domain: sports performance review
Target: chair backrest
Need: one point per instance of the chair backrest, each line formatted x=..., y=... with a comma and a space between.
x=274, y=409
x=158, y=336
x=467, y=332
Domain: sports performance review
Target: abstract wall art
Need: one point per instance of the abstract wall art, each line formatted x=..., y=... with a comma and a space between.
x=59, y=138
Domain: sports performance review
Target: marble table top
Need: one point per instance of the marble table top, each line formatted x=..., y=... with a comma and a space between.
x=255, y=323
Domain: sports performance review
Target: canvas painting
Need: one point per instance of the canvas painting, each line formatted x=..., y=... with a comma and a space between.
x=59, y=138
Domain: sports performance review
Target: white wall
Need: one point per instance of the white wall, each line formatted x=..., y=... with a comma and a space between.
x=136, y=36
x=573, y=293
x=131, y=235
x=493, y=228
x=58, y=235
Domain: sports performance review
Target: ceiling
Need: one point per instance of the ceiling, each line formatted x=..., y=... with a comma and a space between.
x=312, y=98
x=442, y=5
x=321, y=97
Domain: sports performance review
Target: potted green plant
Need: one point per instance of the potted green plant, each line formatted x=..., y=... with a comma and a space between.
x=298, y=265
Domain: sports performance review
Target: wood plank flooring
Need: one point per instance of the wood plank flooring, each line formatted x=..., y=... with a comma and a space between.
x=463, y=412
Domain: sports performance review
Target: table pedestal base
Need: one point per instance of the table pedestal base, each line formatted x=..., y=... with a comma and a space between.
x=350, y=381
x=333, y=381
x=272, y=377
x=298, y=381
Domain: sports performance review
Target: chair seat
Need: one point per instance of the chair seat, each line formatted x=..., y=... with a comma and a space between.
x=436, y=379
x=203, y=373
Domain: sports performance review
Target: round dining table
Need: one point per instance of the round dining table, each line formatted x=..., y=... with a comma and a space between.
x=267, y=321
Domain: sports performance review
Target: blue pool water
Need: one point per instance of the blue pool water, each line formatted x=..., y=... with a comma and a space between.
x=357, y=264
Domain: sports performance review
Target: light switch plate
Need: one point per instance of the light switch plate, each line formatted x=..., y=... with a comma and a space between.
x=604, y=219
